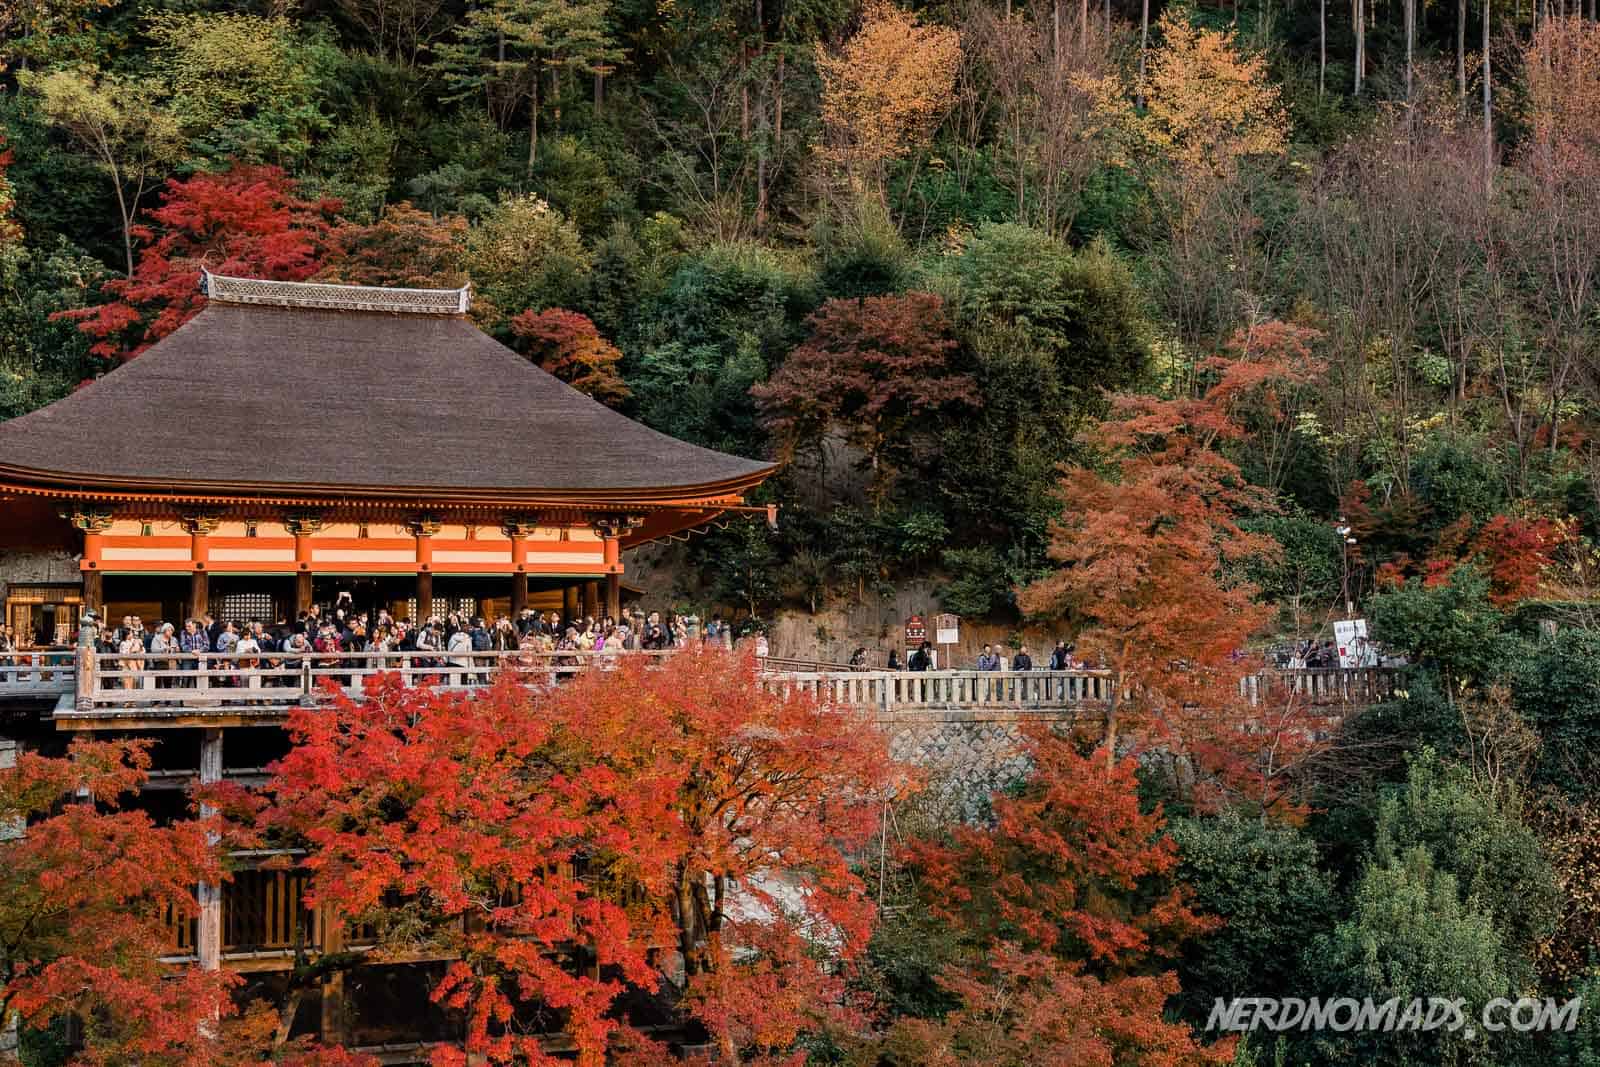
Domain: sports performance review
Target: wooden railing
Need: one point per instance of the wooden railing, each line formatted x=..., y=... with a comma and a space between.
x=1058, y=690
x=110, y=685
x=37, y=672
x=118, y=685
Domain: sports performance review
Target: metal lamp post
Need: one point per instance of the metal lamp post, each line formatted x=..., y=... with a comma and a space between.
x=1346, y=541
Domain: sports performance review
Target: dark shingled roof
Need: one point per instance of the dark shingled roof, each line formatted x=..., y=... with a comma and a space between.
x=254, y=398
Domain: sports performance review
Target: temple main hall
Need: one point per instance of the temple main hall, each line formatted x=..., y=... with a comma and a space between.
x=301, y=443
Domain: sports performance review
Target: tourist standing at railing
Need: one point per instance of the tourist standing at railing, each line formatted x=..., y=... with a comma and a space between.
x=246, y=651
x=1060, y=656
x=922, y=658
x=131, y=649
x=459, y=645
x=1022, y=661
x=164, y=643
x=654, y=636
x=988, y=660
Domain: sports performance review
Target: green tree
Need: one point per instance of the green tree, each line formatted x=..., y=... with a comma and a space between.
x=242, y=87
x=121, y=124
x=1304, y=576
x=723, y=321
x=1449, y=627
x=504, y=48
x=1410, y=935
x=1051, y=332
x=1478, y=838
x=525, y=256
x=1261, y=878
x=1557, y=686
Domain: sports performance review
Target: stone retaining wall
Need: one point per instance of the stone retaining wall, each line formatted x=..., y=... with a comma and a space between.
x=966, y=754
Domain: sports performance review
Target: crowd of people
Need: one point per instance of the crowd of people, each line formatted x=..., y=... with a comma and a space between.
x=450, y=640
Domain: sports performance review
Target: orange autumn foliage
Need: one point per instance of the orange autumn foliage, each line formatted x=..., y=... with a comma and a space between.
x=652, y=826
x=885, y=90
x=85, y=888
x=1069, y=912
x=1147, y=555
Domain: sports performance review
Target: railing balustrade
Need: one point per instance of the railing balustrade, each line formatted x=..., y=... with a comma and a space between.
x=117, y=685
x=41, y=671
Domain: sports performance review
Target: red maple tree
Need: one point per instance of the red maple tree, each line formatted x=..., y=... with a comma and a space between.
x=669, y=828
x=246, y=221
x=1067, y=911
x=9, y=230
x=871, y=369
x=87, y=891
x=1148, y=550
x=404, y=247
x=569, y=346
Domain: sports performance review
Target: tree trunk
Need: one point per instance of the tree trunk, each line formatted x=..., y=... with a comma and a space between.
x=599, y=91
x=1411, y=34
x=1461, y=51
x=1322, y=49
x=126, y=219
x=533, y=123
x=1144, y=43
x=1488, y=113
x=1360, y=20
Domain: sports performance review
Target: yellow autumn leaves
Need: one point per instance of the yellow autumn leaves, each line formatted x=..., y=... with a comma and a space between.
x=1206, y=104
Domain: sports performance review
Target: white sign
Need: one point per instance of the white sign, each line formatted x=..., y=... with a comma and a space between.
x=1354, y=648
x=947, y=630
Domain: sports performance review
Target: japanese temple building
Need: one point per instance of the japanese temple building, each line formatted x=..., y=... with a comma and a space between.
x=298, y=441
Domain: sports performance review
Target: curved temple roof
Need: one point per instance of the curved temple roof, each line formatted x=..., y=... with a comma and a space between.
x=287, y=387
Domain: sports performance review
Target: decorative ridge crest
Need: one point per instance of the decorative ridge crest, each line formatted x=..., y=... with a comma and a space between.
x=326, y=296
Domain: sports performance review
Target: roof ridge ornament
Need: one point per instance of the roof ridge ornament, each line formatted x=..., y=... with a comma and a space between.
x=224, y=289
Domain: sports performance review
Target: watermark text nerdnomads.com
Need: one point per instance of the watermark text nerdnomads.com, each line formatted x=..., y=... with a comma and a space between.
x=1347, y=1014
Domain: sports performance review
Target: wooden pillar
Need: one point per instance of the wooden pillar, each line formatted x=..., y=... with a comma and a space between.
x=94, y=524
x=614, y=596
x=303, y=525
x=199, y=594
x=517, y=528
x=423, y=527
x=200, y=527
x=591, y=599
x=424, y=596
x=94, y=590
x=334, y=1030
x=569, y=603
x=208, y=942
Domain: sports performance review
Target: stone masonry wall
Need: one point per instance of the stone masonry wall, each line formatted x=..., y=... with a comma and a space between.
x=965, y=754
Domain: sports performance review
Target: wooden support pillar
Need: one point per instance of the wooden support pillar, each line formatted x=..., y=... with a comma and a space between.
x=199, y=594
x=569, y=603
x=208, y=942
x=423, y=527
x=94, y=524
x=614, y=596
x=94, y=590
x=303, y=525
x=424, y=596
x=591, y=599
x=517, y=528
x=334, y=1028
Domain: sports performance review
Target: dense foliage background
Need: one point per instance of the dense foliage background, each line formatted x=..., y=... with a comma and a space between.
x=1266, y=305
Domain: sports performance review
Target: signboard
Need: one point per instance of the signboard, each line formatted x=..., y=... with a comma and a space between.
x=1350, y=635
x=947, y=630
x=916, y=629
